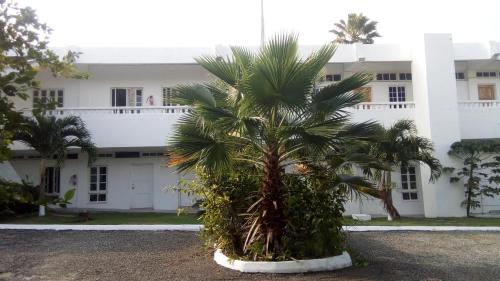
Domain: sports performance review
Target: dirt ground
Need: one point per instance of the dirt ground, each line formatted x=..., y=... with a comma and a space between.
x=134, y=255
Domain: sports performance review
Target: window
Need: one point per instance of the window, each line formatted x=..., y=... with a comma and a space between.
x=46, y=96
x=409, y=183
x=366, y=92
x=397, y=94
x=486, y=74
x=405, y=76
x=486, y=92
x=52, y=180
x=386, y=76
x=127, y=154
x=98, y=184
x=126, y=97
x=153, y=154
x=333, y=77
x=167, y=96
x=105, y=155
x=460, y=75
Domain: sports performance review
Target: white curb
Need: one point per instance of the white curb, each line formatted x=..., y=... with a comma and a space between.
x=139, y=227
x=198, y=227
x=297, y=266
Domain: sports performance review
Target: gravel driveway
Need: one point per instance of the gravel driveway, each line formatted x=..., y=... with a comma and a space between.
x=129, y=255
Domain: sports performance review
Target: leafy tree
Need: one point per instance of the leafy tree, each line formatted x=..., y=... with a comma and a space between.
x=358, y=28
x=23, y=54
x=51, y=137
x=263, y=110
x=480, y=172
x=397, y=146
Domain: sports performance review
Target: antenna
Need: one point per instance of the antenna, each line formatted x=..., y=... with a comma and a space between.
x=262, y=32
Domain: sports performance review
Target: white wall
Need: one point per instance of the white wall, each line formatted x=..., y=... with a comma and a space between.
x=119, y=194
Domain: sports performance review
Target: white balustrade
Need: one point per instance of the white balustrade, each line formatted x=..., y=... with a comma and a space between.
x=383, y=105
x=123, y=110
x=479, y=104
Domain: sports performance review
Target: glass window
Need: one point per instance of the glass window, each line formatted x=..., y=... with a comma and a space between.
x=409, y=183
x=46, y=96
x=98, y=189
x=52, y=180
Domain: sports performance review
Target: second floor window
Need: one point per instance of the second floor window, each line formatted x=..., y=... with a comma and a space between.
x=167, y=95
x=126, y=97
x=47, y=96
x=386, y=76
x=333, y=77
x=397, y=94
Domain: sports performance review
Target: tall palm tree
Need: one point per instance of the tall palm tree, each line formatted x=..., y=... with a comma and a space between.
x=358, y=28
x=398, y=146
x=263, y=110
x=51, y=137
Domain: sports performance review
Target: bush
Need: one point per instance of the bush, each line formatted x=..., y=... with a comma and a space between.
x=313, y=209
x=16, y=198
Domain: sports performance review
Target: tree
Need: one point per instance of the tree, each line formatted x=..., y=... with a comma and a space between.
x=480, y=172
x=358, y=28
x=398, y=146
x=264, y=110
x=23, y=54
x=51, y=137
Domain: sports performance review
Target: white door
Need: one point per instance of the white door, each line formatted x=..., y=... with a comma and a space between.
x=142, y=186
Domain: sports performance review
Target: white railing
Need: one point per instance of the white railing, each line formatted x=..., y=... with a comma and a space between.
x=122, y=110
x=383, y=105
x=479, y=104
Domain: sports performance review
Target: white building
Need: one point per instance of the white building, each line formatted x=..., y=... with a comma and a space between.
x=450, y=90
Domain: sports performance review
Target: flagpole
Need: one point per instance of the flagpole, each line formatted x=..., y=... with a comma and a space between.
x=262, y=32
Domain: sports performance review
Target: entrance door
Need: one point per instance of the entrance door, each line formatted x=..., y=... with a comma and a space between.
x=142, y=186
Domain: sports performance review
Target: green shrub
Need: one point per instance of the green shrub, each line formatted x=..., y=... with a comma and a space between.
x=16, y=198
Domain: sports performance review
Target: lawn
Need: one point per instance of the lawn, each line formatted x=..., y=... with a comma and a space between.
x=107, y=218
x=427, y=222
x=166, y=218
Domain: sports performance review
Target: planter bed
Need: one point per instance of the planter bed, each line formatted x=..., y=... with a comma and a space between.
x=297, y=266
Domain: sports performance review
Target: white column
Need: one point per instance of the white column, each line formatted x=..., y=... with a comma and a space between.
x=435, y=95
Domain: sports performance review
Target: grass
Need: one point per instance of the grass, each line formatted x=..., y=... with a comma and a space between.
x=427, y=222
x=107, y=218
x=166, y=218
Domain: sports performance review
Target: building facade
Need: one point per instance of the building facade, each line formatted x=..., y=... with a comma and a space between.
x=450, y=90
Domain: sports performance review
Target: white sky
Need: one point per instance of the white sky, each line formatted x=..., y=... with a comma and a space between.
x=237, y=22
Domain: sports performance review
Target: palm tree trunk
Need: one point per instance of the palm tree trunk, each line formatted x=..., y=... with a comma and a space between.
x=41, y=187
x=271, y=207
x=385, y=192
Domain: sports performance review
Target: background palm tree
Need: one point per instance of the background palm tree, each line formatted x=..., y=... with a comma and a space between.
x=398, y=146
x=51, y=137
x=263, y=110
x=358, y=28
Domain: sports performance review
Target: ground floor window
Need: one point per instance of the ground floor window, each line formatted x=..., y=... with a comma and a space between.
x=98, y=184
x=52, y=181
x=409, y=183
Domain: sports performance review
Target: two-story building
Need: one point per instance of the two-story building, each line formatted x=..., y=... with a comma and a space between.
x=450, y=90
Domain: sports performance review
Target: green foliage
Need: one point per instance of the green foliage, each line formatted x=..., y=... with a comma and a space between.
x=396, y=146
x=358, y=28
x=263, y=111
x=23, y=54
x=15, y=196
x=480, y=171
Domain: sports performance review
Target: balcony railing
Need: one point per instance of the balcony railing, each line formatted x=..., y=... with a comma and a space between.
x=125, y=110
x=479, y=104
x=384, y=105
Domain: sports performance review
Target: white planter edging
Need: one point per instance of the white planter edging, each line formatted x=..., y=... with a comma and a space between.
x=298, y=266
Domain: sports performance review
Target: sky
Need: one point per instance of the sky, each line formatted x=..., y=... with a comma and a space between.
x=159, y=23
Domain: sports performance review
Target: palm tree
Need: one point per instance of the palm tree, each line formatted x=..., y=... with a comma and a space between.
x=358, y=28
x=51, y=137
x=264, y=110
x=398, y=146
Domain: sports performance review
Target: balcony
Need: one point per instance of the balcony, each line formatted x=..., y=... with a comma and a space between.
x=125, y=126
x=113, y=127
x=479, y=119
x=387, y=113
